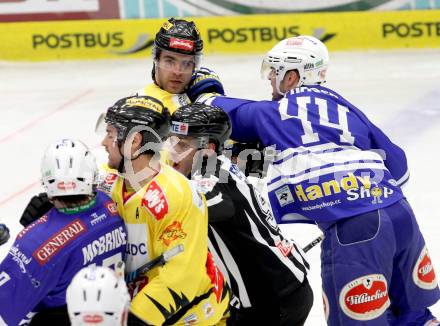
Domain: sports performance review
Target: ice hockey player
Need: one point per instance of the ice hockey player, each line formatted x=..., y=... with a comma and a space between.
x=82, y=229
x=334, y=167
x=177, y=52
x=267, y=272
x=161, y=210
x=98, y=296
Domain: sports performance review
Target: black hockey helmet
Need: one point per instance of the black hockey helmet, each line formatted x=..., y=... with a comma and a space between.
x=144, y=114
x=179, y=36
x=208, y=123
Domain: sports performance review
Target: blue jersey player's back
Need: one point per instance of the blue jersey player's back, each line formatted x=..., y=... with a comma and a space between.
x=83, y=228
x=336, y=168
x=47, y=254
x=331, y=161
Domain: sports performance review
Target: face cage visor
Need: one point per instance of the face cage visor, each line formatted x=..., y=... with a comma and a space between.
x=268, y=71
x=101, y=127
x=175, y=61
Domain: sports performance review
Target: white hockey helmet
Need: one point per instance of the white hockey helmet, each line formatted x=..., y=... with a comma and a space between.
x=304, y=53
x=97, y=296
x=68, y=168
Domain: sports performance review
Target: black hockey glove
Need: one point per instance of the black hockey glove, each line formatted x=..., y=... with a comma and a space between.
x=4, y=234
x=37, y=207
x=204, y=81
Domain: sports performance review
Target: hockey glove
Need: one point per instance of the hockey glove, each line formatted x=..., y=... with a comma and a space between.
x=37, y=207
x=4, y=234
x=204, y=81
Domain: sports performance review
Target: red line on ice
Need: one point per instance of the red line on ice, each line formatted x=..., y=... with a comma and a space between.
x=19, y=192
x=39, y=119
x=28, y=187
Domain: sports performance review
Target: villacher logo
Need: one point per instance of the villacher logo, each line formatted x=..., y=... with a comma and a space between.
x=423, y=271
x=365, y=298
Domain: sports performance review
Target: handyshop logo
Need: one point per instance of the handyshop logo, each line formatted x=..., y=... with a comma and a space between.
x=377, y=193
x=262, y=34
x=355, y=187
x=324, y=189
x=113, y=41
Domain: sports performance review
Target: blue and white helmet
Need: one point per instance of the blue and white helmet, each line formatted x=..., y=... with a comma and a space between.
x=304, y=53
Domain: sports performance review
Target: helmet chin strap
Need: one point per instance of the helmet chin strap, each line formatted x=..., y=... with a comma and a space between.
x=125, y=159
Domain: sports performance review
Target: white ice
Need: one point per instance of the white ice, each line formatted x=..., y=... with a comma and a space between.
x=398, y=90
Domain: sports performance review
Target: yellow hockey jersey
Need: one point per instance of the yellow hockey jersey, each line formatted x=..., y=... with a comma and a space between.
x=171, y=101
x=164, y=213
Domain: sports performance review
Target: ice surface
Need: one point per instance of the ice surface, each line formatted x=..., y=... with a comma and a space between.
x=398, y=90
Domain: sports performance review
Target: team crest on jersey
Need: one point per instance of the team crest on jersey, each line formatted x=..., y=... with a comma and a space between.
x=111, y=207
x=172, y=232
x=284, y=196
x=365, y=298
x=155, y=201
x=423, y=272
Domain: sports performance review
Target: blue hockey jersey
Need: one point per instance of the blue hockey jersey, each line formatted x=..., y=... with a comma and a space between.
x=47, y=254
x=331, y=162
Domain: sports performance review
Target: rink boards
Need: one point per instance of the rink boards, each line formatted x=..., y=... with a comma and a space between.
x=96, y=39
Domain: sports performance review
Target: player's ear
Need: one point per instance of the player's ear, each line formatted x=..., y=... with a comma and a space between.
x=137, y=141
x=291, y=79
